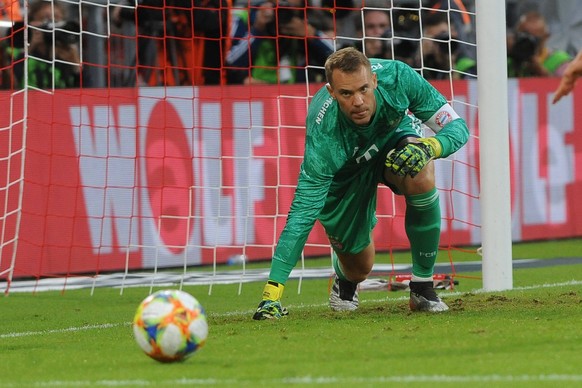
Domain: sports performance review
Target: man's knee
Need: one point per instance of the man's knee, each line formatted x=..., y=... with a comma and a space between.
x=357, y=266
x=357, y=274
x=423, y=182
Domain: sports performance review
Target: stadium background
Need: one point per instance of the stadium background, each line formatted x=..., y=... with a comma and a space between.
x=71, y=223
x=94, y=200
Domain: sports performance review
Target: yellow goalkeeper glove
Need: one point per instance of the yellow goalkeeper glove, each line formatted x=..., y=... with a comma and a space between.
x=411, y=159
x=273, y=291
x=270, y=307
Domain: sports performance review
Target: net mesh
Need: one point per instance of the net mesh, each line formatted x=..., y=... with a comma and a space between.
x=158, y=137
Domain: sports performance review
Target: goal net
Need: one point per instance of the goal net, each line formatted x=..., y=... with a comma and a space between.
x=145, y=136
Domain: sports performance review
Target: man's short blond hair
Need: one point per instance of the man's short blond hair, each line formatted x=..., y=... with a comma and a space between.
x=347, y=60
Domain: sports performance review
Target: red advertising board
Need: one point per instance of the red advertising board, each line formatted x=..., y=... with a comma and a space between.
x=162, y=177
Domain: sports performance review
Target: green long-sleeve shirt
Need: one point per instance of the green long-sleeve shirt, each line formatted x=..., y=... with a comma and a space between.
x=333, y=141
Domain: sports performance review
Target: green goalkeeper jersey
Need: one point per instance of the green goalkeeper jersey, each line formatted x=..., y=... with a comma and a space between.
x=335, y=146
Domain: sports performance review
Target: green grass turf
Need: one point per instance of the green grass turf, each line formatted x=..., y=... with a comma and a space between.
x=530, y=336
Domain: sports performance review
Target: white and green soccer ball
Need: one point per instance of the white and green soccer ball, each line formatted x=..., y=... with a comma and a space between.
x=170, y=325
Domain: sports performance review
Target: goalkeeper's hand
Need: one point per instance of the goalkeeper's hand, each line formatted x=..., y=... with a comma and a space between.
x=270, y=307
x=411, y=159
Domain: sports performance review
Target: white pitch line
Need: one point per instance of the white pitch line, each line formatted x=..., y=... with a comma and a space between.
x=426, y=379
x=315, y=380
x=302, y=306
x=56, y=331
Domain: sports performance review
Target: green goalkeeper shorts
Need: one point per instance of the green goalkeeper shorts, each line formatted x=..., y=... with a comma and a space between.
x=349, y=213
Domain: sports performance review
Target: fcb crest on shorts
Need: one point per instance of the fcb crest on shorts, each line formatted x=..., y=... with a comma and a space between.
x=335, y=243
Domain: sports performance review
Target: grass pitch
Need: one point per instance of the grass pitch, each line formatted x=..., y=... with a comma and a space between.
x=530, y=336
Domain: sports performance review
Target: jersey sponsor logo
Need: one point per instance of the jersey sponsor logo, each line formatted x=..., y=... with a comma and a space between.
x=376, y=66
x=368, y=154
x=323, y=109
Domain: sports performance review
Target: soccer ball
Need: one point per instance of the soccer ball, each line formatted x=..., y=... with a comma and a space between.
x=170, y=325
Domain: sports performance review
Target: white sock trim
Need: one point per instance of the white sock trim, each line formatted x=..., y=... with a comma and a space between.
x=415, y=278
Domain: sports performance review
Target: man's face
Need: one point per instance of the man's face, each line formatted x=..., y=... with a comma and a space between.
x=375, y=25
x=45, y=14
x=537, y=28
x=436, y=46
x=354, y=93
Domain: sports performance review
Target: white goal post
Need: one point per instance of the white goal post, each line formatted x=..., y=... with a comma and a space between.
x=494, y=145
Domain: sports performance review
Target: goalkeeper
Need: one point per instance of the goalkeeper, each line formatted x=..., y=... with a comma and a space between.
x=364, y=128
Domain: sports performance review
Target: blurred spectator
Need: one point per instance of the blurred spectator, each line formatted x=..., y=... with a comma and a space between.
x=180, y=42
x=399, y=40
x=344, y=19
x=442, y=58
x=563, y=17
x=53, y=48
x=275, y=42
x=10, y=13
x=461, y=15
x=406, y=34
x=375, y=39
x=528, y=55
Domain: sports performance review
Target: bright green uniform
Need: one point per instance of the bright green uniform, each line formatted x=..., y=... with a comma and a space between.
x=343, y=162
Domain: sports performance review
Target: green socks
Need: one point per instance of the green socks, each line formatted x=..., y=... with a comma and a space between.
x=423, y=228
x=337, y=267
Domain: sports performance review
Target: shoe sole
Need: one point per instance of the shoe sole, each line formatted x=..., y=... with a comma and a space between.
x=262, y=316
x=338, y=304
x=420, y=303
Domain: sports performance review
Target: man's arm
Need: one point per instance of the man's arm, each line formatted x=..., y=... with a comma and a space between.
x=307, y=204
x=309, y=199
x=571, y=74
x=429, y=105
x=450, y=130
